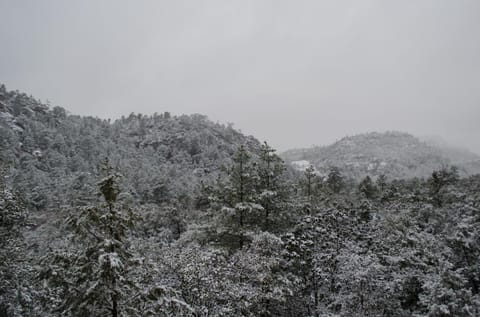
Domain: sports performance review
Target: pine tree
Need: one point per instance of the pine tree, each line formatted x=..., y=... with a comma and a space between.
x=236, y=202
x=335, y=180
x=439, y=180
x=93, y=276
x=271, y=186
x=99, y=274
x=367, y=188
x=382, y=182
x=308, y=183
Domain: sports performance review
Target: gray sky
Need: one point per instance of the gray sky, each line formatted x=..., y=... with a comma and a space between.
x=294, y=73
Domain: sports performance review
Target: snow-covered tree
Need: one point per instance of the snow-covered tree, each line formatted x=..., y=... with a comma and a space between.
x=271, y=188
x=439, y=180
x=99, y=275
x=335, y=180
x=368, y=188
x=309, y=184
x=235, y=203
x=16, y=272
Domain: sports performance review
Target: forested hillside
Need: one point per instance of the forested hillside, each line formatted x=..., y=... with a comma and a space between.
x=394, y=154
x=161, y=157
x=168, y=215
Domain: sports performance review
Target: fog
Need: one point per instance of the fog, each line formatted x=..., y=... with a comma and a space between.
x=294, y=73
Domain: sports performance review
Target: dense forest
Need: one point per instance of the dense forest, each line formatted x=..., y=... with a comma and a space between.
x=167, y=215
x=397, y=155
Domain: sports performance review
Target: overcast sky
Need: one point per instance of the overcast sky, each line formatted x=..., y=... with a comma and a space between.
x=294, y=73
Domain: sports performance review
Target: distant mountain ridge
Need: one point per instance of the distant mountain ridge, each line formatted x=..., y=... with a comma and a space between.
x=394, y=154
x=164, y=158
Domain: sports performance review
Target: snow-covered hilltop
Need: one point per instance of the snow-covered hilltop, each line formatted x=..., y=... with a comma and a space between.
x=53, y=151
x=186, y=217
x=394, y=154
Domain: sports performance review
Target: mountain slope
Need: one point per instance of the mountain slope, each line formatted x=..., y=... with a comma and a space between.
x=162, y=157
x=395, y=154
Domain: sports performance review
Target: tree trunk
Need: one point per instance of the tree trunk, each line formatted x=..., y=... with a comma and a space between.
x=114, y=306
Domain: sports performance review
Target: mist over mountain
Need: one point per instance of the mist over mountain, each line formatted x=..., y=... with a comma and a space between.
x=142, y=177
x=53, y=150
x=393, y=154
x=175, y=215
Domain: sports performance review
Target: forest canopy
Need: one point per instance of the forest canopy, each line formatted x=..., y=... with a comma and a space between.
x=167, y=215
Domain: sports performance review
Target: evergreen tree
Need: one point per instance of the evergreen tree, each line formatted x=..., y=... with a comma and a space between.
x=236, y=202
x=308, y=183
x=93, y=279
x=271, y=187
x=439, y=180
x=381, y=182
x=335, y=180
x=368, y=188
x=99, y=275
x=13, y=268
